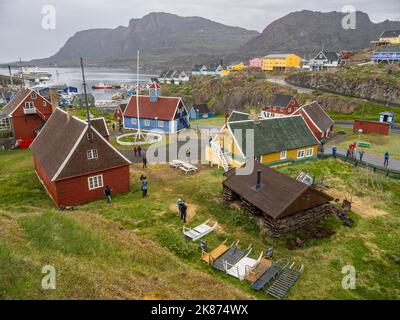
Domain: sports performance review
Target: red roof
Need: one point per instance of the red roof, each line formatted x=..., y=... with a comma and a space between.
x=163, y=109
x=154, y=85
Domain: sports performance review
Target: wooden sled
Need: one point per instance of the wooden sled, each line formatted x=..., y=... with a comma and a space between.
x=210, y=257
x=253, y=273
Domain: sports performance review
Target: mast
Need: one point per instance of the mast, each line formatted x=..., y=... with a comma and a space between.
x=22, y=74
x=84, y=90
x=139, y=133
x=11, y=79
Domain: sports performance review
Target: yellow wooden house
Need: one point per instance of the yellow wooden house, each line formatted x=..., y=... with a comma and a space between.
x=272, y=141
x=391, y=37
x=281, y=62
x=238, y=67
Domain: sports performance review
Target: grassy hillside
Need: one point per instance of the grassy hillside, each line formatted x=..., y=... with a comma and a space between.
x=133, y=247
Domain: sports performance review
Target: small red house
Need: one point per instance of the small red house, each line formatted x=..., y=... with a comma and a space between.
x=317, y=120
x=119, y=111
x=282, y=105
x=74, y=161
x=25, y=115
x=366, y=126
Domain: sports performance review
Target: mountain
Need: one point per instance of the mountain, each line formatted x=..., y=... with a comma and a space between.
x=163, y=39
x=304, y=32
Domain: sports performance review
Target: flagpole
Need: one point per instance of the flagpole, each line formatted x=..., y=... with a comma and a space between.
x=139, y=134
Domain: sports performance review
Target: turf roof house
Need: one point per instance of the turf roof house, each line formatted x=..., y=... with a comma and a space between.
x=317, y=120
x=282, y=105
x=25, y=115
x=74, y=161
x=167, y=114
x=200, y=111
x=276, y=140
x=278, y=202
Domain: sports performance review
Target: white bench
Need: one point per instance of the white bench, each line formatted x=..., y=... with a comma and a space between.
x=187, y=167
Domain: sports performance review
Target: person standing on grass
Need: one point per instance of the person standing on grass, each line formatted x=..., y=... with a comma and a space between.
x=361, y=153
x=144, y=187
x=179, y=203
x=107, y=193
x=144, y=159
x=135, y=150
x=183, y=212
x=139, y=151
x=113, y=126
x=386, y=161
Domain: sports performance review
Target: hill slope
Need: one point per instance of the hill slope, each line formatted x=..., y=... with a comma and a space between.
x=305, y=31
x=162, y=36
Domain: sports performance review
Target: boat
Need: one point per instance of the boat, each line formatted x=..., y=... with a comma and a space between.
x=102, y=86
x=33, y=74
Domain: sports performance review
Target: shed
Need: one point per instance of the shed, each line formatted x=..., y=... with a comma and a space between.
x=200, y=111
x=280, y=202
x=382, y=128
x=387, y=116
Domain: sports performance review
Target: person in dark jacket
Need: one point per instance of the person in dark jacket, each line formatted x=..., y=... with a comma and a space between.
x=135, y=151
x=183, y=212
x=144, y=159
x=107, y=193
x=144, y=187
x=139, y=151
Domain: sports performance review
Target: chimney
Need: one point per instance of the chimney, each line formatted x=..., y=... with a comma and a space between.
x=54, y=98
x=258, y=185
x=70, y=112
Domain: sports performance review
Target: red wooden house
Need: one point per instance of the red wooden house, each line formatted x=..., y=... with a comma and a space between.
x=282, y=105
x=119, y=111
x=317, y=120
x=25, y=115
x=74, y=161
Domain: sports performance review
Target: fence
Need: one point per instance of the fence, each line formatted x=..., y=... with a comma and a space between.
x=377, y=169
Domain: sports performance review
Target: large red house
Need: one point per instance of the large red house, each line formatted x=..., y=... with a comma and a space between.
x=25, y=114
x=74, y=161
x=317, y=120
x=282, y=105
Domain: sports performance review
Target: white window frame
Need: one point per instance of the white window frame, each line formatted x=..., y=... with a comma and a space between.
x=133, y=121
x=301, y=154
x=44, y=104
x=5, y=124
x=160, y=124
x=289, y=109
x=95, y=182
x=147, y=123
x=92, y=154
x=33, y=95
x=29, y=105
x=89, y=135
x=283, y=155
x=309, y=152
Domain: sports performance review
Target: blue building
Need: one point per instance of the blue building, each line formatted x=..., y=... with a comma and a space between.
x=388, y=54
x=200, y=111
x=167, y=114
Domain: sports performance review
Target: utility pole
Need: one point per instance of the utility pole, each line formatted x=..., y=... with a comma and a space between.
x=84, y=90
x=139, y=135
x=11, y=79
x=22, y=74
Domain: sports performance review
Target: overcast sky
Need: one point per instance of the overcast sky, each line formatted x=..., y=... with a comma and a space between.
x=21, y=33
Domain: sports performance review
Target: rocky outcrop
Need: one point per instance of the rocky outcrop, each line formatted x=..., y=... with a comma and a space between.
x=377, y=90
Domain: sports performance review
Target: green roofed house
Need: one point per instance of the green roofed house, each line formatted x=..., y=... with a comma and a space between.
x=78, y=101
x=276, y=141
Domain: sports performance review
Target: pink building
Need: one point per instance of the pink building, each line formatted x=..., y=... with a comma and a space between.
x=256, y=63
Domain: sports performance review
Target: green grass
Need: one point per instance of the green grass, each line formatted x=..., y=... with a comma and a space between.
x=118, y=250
x=217, y=121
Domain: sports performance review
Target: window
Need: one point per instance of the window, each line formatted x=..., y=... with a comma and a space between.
x=29, y=105
x=92, y=154
x=133, y=121
x=160, y=124
x=289, y=109
x=44, y=104
x=309, y=152
x=300, y=154
x=283, y=154
x=147, y=123
x=95, y=182
x=5, y=124
x=33, y=95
